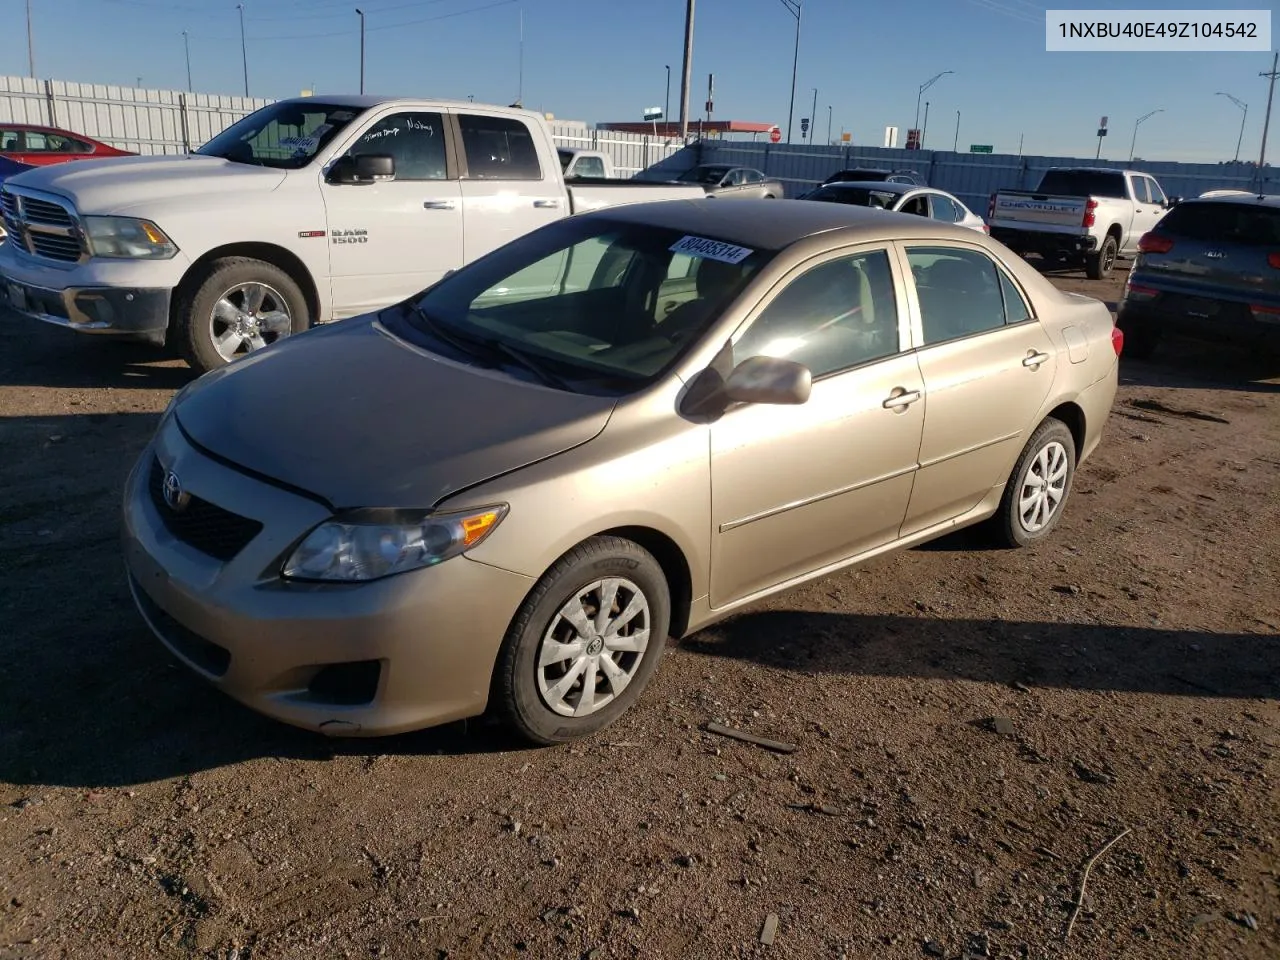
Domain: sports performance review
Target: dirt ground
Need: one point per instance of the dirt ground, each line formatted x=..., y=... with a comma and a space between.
x=972, y=725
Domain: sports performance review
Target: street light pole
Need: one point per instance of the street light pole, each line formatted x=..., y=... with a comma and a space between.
x=923, y=87
x=186, y=46
x=828, y=124
x=795, y=9
x=925, y=128
x=813, y=116
x=520, y=78
x=244, y=53
x=1266, y=123
x=31, y=47
x=686, y=74
x=1244, y=107
x=1135, y=130
x=361, y=13
x=955, y=147
x=666, y=108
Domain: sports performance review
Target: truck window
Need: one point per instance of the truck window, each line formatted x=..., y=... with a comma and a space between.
x=1140, y=194
x=1157, y=195
x=414, y=140
x=1083, y=183
x=589, y=167
x=498, y=148
x=8, y=141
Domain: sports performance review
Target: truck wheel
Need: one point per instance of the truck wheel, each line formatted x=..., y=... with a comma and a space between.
x=1100, y=265
x=237, y=306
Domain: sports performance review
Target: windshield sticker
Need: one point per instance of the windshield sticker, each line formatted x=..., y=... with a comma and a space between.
x=301, y=143
x=711, y=249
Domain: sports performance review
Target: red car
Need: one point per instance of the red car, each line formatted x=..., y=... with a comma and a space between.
x=28, y=143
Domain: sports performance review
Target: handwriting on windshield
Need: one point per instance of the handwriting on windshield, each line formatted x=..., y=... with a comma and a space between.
x=380, y=134
x=413, y=124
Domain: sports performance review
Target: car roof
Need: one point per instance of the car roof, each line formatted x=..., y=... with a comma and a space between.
x=776, y=224
x=1251, y=199
x=880, y=186
x=44, y=128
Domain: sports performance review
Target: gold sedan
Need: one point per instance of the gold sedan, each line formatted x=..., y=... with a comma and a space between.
x=508, y=491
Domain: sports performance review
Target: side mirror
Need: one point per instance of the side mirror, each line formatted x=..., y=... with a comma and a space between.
x=364, y=168
x=1172, y=201
x=769, y=380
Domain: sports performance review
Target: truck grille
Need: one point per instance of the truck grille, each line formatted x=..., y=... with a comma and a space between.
x=42, y=226
x=205, y=526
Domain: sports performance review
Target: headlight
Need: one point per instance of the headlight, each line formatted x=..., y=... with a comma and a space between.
x=354, y=550
x=126, y=238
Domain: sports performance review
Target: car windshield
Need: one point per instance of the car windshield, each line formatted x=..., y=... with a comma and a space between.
x=598, y=305
x=285, y=135
x=1083, y=183
x=857, y=196
x=704, y=175
x=1247, y=224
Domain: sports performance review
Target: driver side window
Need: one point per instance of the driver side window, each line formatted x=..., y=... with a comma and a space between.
x=414, y=140
x=838, y=315
x=918, y=205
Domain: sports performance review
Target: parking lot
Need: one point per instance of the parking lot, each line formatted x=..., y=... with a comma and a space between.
x=971, y=727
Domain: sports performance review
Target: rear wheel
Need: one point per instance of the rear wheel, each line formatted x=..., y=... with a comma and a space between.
x=1100, y=264
x=238, y=306
x=1039, y=486
x=584, y=643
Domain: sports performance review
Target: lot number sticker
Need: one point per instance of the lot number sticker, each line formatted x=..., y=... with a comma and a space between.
x=711, y=249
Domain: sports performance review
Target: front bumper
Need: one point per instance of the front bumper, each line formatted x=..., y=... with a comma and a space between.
x=124, y=298
x=393, y=655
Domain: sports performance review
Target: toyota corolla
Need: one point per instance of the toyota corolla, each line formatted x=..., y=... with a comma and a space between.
x=508, y=491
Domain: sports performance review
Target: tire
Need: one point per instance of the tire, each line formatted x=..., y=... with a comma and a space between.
x=524, y=691
x=1141, y=337
x=1099, y=265
x=1054, y=441
x=232, y=280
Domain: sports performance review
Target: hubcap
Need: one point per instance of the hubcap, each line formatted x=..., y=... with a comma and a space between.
x=593, y=647
x=1043, y=487
x=248, y=317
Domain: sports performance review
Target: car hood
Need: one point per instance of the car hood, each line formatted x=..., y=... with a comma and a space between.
x=113, y=184
x=360, y=418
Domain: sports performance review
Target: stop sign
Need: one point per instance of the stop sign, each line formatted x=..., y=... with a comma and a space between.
x=775, y=135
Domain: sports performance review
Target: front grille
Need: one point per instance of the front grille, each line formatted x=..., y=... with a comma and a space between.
x=42, y=211
x=205, y=654
x=44, y=228
x=55, y=247
x=205, y=526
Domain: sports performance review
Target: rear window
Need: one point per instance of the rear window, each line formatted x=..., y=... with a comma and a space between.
x=857, y=196
x=1083, y=183
x=1240, y=223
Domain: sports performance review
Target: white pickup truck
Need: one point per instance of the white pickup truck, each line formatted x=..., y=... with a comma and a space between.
x=586, y=164
x=1080, y=213
x=306, y=211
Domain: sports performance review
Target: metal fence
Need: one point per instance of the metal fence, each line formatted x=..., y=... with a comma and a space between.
x=971, y=177
x=169, y=121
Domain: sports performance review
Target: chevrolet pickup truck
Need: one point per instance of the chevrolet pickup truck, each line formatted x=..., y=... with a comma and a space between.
x=307, y=211
x=1080, y=214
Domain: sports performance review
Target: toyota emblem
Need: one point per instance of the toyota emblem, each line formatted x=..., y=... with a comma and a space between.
x=174, y=495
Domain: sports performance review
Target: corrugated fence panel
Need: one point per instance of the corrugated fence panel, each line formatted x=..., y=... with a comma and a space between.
x=973, y=177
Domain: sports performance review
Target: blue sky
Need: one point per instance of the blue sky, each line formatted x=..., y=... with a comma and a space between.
x=599, y=60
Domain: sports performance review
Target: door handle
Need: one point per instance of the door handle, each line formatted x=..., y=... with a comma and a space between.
x=438, y=204
x=1033, y=360
x=543, y=204
x=901, y=398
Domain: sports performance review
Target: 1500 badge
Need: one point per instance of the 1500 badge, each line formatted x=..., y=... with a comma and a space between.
x=349, y=236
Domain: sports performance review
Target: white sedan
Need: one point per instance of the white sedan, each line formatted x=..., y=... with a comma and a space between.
x=901, y=198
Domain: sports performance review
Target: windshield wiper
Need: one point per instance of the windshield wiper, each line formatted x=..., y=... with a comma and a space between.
x=493, y=346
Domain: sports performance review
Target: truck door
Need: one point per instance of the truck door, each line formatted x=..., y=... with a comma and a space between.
x=390, y=239
x=508, y=188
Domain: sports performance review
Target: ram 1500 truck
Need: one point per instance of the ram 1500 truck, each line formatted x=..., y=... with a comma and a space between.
x=1078, y=214
x=306, y=211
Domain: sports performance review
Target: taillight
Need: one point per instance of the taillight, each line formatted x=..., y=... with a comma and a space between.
x=1136, y=291
x=1269, y=314
x=1117, y=340
x=1273, y=260
x=1154, y=243
x=1089, y=217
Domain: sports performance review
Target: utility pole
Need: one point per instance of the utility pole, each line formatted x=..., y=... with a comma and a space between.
x=520, y=80
x=244, y=53
x=794, y=8
x=31, y=47
x=666, y=107
x=813, y=116
x=1020, y=136
x=1266, y=123
x=828, y=124
x=186, y=46
x=361, y=15
x=687, y=73
x=955, y=147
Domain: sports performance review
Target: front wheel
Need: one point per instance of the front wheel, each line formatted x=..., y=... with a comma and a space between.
x=237, y=306
x=584, y=643
x=1039, y=486
x=1099, y=265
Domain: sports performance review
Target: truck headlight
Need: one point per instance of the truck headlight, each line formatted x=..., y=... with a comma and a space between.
x=127, y=238
x=353, y=550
